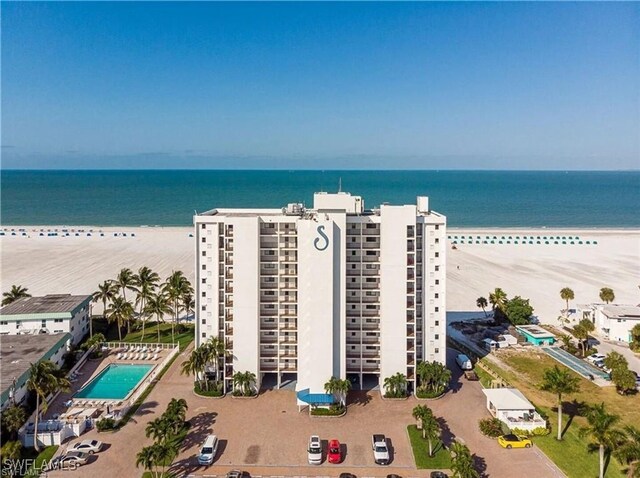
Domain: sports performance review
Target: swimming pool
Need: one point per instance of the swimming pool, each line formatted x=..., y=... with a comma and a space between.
x=115, y=382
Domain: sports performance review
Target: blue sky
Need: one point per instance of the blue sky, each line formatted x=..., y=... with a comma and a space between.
x=321, y=85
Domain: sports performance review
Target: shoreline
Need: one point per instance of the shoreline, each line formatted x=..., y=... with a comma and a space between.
x=633, y=229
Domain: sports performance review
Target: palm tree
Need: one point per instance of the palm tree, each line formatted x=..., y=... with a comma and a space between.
x=498, y=300
x=126, y=279
x=561, y=382
x=158, y=305
x=146, y=281
x=243, y=381
x=164, y=452
x=188, y=303
x=395, y=385
x=628, y=452
x=107, y=291
x=462, y=462
x=146, y=459
x=581, y=332
x=567, y=294
x=420, y=412
x=159, y=429
x=607, y=295
x=338, y=387
x=216, y=350
x=430, y=426
x=12, y=419
x=120, y=312
x=602, y=431
x=16, y=292
x=482, y=303
x=45, y=378
x=196, y=364
x=174, y=288
x=434, y=376
x=176, y=413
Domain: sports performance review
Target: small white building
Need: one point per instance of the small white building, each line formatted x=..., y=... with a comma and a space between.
x=613, y=321
x=511, y=407
x=49, y=314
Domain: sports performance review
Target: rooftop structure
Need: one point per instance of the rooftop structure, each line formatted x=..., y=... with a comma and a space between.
x=55, y=313
x=18, y=352
x=511, y=407
x=536, y=334
x=302, y=294
x=50, y=305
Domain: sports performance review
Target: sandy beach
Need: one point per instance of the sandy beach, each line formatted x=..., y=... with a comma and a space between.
x=76, y=264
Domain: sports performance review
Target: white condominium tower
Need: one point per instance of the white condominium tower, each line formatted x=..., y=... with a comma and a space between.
x=303, y=294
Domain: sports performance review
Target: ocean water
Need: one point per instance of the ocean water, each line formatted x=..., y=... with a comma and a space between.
x=468, y=198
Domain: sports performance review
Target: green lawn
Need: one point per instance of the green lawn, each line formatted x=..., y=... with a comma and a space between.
x=485, y=377
x=45, y=455
x=440, y=461
x=570, y=454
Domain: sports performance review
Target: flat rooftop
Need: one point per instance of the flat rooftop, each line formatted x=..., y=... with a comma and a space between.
x=18, y=352
x=48, y=304
x=534, y=330
x=622, y=311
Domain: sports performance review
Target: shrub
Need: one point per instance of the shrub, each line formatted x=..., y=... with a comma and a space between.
x=421, y=393
x=106, y=424
x=334, y=410
x=215, y=390
x=396, y=394
x=536, y=432
x=590, y=351
x=490, y=427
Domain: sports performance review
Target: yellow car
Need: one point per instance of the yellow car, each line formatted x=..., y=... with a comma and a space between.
x=514, y=441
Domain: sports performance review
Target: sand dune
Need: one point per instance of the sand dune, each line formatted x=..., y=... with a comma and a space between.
x=77, y=264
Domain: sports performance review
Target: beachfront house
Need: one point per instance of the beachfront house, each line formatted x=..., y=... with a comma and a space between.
x=613, y=321
x=513, y=409
x=536, y=335
x=49, y=314
x=17, y=353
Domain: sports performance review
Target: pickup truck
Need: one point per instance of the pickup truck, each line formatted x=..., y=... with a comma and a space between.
x=380, y=449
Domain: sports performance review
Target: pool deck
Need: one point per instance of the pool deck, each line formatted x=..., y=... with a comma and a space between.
x=88, y=372
x=577, y=365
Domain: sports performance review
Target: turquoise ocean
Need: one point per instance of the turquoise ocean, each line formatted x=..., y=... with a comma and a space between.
x=468, y=198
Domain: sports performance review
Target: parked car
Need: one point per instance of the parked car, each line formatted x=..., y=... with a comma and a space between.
x=464, y=362
x=314, y=451
x=471, y=375
x=237, y=474
x=593, y=358
x=380, y=449
x=87, y=446
x=72, y=460
x=208, y=450
x=335, y=453
x=438, y=474
x=514, y=441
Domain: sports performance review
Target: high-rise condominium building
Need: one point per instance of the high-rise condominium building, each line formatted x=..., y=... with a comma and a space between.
x=303, y=294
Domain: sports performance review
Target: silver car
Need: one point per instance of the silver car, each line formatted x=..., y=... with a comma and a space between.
x=87, y=446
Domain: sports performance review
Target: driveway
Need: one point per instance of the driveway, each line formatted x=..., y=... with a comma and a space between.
x=258, y=433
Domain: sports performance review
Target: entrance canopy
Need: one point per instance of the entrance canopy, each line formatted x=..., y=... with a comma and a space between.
x=315, y=398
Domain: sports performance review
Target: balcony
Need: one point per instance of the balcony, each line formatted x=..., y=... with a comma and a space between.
x=268, y=325
x=354, y=245
x=371, y=231
x=268, y=367
x=268, y=353
x=288, y=272
x=268, y=231
x=289, y=243
x=268, y=285
x=370, y=368
x=371, y=245
x=268, y=271
x=287, y=299
x=268, y=339
x=370, y=285
x=268, y=312
x=370, y=272
x=288, y=325
x=288, y=257
x=268, y=298
x=288, y=284
x=228, y=330
x=354, y=272
x=268, y=244
x=370, y=258
x=268, y=258
x=369, y=299
x=228, y=303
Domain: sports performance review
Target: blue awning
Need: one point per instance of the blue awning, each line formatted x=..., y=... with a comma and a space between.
x=315, y=398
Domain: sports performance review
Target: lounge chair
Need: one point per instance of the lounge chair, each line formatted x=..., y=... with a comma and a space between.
x=119, y=356
x=155, y=357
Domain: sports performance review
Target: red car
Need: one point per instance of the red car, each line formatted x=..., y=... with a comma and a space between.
x=335, y=454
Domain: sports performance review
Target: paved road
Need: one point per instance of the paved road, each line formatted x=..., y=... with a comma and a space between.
x=606, y=346
x=255, y=433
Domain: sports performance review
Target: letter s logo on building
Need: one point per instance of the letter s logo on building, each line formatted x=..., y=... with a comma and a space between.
x=317, y=240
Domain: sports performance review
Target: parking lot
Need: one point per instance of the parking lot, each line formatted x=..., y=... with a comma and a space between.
x=256, y=433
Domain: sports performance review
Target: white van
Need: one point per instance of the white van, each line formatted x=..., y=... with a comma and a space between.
x=464, y=362
x=208, y=450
